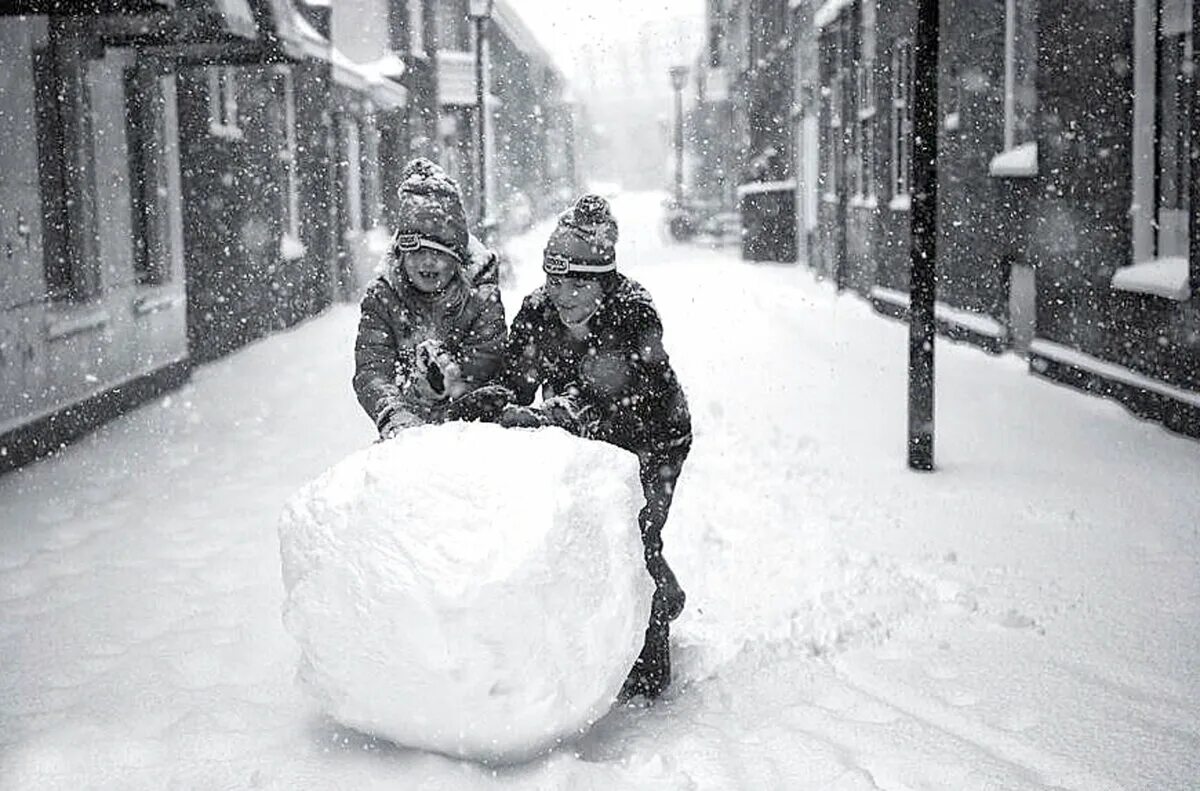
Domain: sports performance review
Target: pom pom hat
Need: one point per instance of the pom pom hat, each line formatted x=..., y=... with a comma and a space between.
x=430, y=212
x=584, y=242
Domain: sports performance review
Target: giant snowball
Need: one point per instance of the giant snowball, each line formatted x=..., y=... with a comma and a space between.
x=468, y=589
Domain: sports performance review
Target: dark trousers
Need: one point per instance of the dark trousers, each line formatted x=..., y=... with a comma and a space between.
x=652, y=670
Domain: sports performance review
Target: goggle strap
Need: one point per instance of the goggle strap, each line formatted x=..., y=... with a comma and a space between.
x=412, y=242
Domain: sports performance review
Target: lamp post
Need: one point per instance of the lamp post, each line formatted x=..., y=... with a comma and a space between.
x=923, y=254
x=679, y=75
x=480, y=12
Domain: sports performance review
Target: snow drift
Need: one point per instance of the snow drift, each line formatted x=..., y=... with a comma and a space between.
x=447, y=597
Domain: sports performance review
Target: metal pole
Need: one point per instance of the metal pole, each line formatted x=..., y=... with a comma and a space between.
x=481, y=111
x=924, y=238
x=678, y=145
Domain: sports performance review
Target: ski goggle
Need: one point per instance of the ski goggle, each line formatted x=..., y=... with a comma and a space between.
x=412, y=242
x=557, y=264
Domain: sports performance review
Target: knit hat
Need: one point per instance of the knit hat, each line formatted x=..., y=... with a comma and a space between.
x=584, y=243
x=430, y=212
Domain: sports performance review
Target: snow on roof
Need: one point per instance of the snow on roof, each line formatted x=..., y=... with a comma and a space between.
x=1162, y=277
x=511, y=24
x=375, y=78
x=390, y=65
x=829, y=12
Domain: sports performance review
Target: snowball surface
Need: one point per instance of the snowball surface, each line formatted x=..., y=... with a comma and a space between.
x=468, y=589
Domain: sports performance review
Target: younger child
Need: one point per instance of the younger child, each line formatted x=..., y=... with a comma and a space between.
x=591, y=339
x=427, y=335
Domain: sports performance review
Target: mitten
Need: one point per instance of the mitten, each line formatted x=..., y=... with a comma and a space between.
x=485, y=403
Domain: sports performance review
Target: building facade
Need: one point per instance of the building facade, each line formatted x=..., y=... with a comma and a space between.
x=1067, y=191
x=529, y=135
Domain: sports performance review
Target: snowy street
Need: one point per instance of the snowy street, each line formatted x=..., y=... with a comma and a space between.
x=1027, y=616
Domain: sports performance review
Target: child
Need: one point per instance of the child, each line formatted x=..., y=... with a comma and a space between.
x=592, y=340
x=426, y=335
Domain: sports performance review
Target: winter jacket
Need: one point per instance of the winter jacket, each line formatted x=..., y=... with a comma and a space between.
x=619, y=376
x=468, y=322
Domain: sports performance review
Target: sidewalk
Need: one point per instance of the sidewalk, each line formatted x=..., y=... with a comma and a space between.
x=1028, y=616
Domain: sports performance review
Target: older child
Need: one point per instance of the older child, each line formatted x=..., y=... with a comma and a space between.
x=591, y=339
x=426, y=335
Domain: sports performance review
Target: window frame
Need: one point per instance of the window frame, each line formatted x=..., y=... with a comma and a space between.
x=66, y=168
x=222, y=102
x=902, y=117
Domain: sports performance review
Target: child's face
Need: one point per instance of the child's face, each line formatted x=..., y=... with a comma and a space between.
x=428, y=270
x=576, y=298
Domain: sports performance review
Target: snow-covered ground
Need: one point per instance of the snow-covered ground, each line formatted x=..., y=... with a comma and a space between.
x=1028, y=616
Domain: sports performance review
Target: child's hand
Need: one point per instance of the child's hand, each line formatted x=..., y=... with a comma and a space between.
x=513, y=416
x=435, y=374
x=397, y=422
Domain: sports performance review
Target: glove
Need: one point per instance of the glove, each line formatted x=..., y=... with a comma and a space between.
x=564, y=412
x=485, y=403
x=560, y=411
x=435, y=376
x=513, y=416
x=396, y=422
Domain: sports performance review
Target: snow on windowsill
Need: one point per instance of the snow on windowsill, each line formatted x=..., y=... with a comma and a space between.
x=1117, y=373
x=291, y=248
x=1162, y=277
x=1018, y=162
x=975, y=322
x=756, y=187
x=900, y=202
x=864, y=202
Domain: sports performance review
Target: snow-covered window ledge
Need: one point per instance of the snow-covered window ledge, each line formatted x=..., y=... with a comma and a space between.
x=291, y=248
x=864, y=202
x=900, y=202
x=1162, y=277
x=1017, y=162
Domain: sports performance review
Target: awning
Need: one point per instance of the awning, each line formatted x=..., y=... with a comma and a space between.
x=207, y=20
x=193, y=29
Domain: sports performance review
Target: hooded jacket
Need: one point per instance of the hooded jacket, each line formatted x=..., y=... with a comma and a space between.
x=468, y=321
x=619, y=376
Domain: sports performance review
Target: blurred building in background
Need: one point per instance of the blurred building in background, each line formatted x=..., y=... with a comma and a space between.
x=1067, y=192
x=184, y=176
x=530, y=125
x=624, y=83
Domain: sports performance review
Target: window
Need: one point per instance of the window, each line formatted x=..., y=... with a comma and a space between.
x=65, y=169
x=222, y=102
x=372, y=189
x=453, y=28
x=416, y=26
x=902, y=119
x=1162, y=105
x=352, y=188
x=148, y=165
x=1172, y=116
x=289, y=152
x=1020, y=63
x=864, y=133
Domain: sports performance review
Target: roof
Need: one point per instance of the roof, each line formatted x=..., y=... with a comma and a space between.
x=512, y=26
